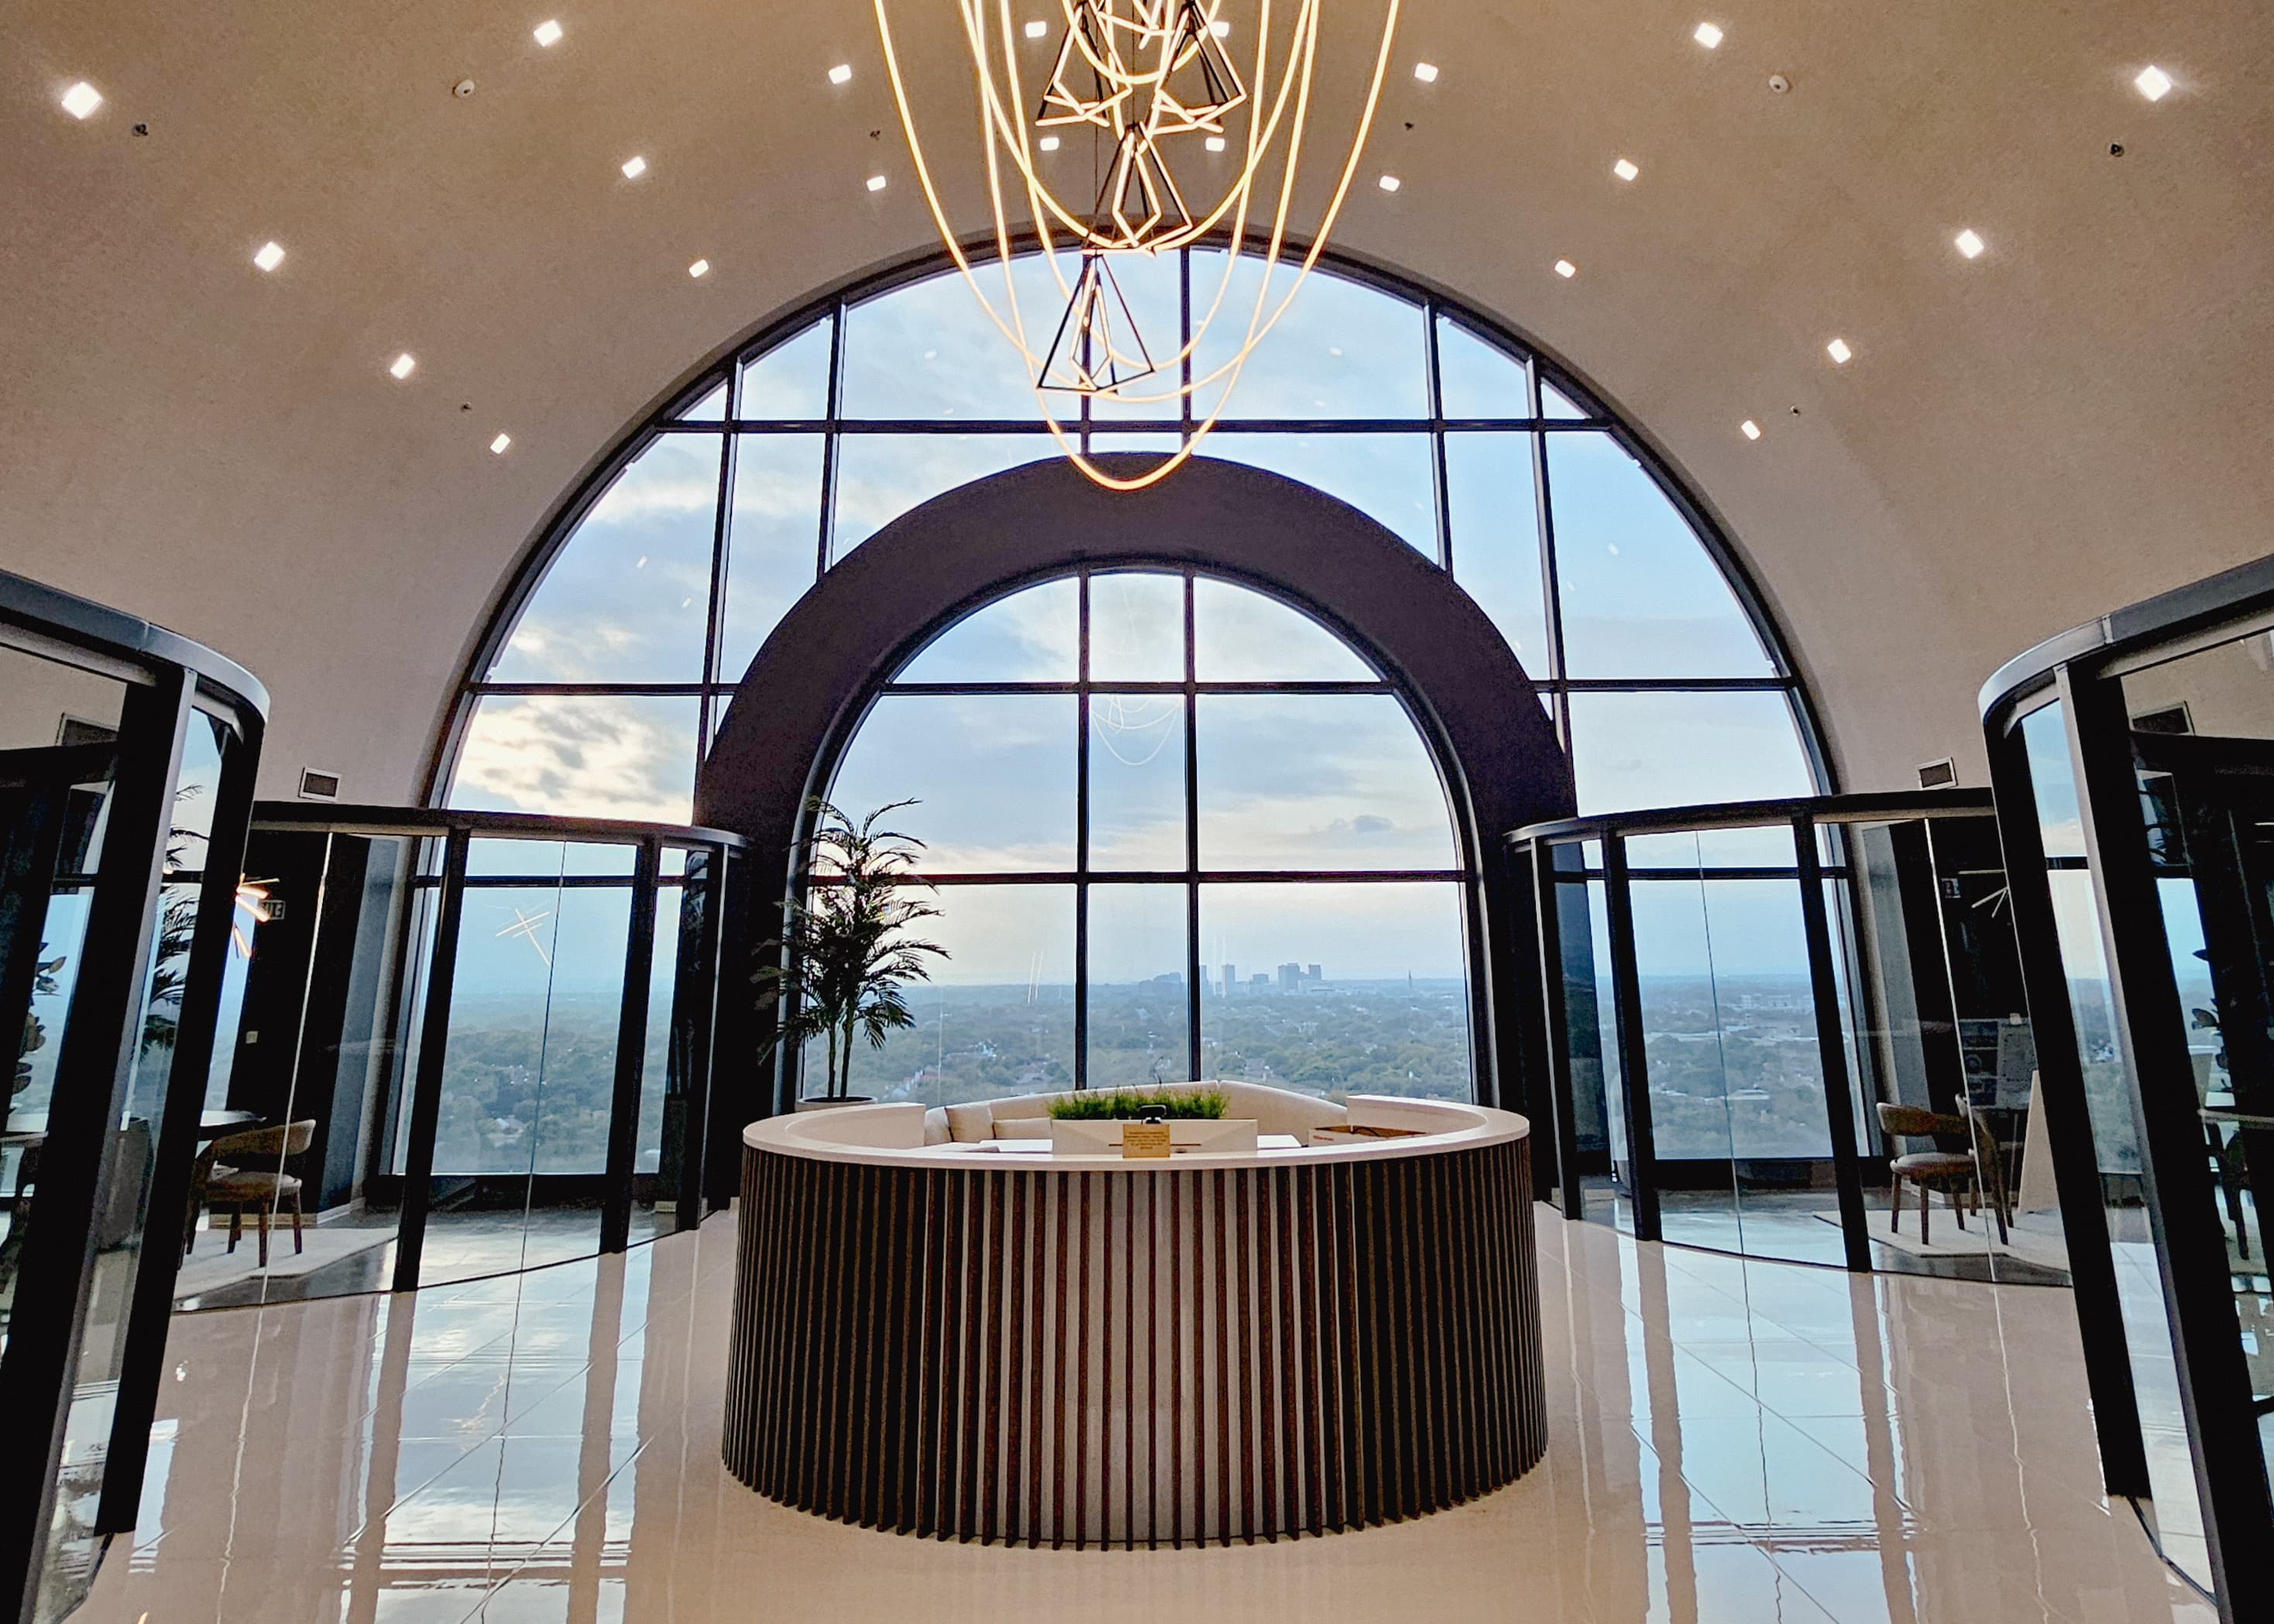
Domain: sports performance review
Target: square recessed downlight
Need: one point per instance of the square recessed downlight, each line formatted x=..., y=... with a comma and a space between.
x=841, y=73
x=498, y=446
x=1625, y=170
x=700, y=268
x=1389, y=183
x=1221, y=27
x=548, y=32
x=1049, y=143
x=2153, y=83
x=269, y=257
x=1707, y=35
x=875, y=183
x=404, y=366
x=1426, y=71
x=82, y=99
x=1750, y=429
x=1838, y=351
x=1970, y=244
x=634, y=167
x=1566, y=269
x=1215, y=143
x=1036, y=29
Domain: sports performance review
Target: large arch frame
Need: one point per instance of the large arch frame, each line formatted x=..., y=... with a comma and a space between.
x=803, y=698
x=1548, y=370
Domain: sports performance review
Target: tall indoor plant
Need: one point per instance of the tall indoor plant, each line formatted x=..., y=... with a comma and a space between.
x=845, y=958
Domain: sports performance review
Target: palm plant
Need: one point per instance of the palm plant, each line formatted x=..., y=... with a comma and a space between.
x=844, y=960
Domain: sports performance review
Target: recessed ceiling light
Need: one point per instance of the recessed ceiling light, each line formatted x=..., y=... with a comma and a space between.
x=404, y=365
x=1221, y=27
x=548, y=33
x=700, y=267
x=840, y=73
x=634, y=167
x=1049, y=143
x=1707, y=35
x=1838, y=351
x=875, y=183
x=269, y=258
x=1389, y=183
x=1750, y=429
x=82, y=99
x=1426, y=71
x=1215, y=143
x=498, y=446
x=1970, y=244
x=1624, y=169
x=2154, y=84
x=1036, y=29
x=1565, y=268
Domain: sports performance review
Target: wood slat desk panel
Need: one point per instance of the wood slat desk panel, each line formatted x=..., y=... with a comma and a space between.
x=1095, y=1356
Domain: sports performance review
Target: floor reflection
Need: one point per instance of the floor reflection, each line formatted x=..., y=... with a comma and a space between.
x=1732, y=1441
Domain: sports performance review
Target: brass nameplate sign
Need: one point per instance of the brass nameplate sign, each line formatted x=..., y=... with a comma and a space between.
x=1145, y=1139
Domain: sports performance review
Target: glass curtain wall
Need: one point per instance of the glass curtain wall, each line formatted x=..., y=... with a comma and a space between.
x=1177, y=830
x=432, y=1051
x=618, y=652
x=1742, y=1065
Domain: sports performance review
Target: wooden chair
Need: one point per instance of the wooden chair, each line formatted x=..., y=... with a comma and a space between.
x=1958, y=1174
x=213, y=1183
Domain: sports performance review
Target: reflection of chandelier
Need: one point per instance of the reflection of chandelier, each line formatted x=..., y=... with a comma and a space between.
x=1145, y=79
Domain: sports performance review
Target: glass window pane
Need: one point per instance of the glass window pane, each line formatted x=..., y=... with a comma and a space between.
x=711, y=407
x=1641, y=597
x=1317, y=781
x=1136, y=781
x=610, y=755
x=789, y=381
x=1386, y=477
x=1140, y=1021
x=773, y=538
x=1490, y=496
x=931, y=350
x=628, y=599
x=992, y=774
x=997, y=1017
x=1146, y=328
x=1240, y=635
x=1342, y=349
x=880, y=476
x=1030, y=637
x=1554, y=403
x=1630, y=750
x=1336, y=989
x=1137, y=629
x=1478, y=379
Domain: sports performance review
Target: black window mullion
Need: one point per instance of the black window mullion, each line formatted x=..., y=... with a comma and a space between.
x=1551, y=596
x=716, y=618
x=834, y=406
x=1081, y=836
x=1192, y=844
x=1437, y=476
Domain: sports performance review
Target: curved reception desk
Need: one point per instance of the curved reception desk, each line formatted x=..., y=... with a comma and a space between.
x=985, y=1340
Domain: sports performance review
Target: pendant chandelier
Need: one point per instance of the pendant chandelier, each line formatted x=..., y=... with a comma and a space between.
x=1150, y=84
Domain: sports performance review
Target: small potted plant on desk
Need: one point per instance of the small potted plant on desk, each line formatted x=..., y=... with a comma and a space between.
x=842, y=965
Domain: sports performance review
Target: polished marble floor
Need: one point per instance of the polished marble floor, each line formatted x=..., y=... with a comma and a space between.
x=1730, y=1440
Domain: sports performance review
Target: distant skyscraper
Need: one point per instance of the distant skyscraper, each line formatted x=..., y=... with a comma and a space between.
x=1312, y=975
x=1291, y=978
x=1231, y=979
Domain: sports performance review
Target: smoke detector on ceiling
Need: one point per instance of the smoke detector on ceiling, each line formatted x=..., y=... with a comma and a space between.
x=1778, y=84
x=463, y=88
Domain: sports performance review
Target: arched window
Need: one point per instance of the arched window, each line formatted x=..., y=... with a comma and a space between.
x=612, y=663
x=1178, y=829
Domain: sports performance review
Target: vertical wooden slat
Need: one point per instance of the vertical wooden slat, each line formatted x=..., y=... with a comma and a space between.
x=1179, y=1183
x=1015, y=1354
x=1290, y=1406
x=1082, y=1371
x=1061, y=1457
x=1222, y=1522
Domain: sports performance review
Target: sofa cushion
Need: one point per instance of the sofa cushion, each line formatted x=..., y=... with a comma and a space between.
x=936, y=1127
x=1022, y=1127
x=970, y=1123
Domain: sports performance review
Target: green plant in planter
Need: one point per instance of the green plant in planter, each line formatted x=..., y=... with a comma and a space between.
x=1127, y=1104
x=843, y=964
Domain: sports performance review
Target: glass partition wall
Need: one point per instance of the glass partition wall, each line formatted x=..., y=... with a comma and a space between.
x=2134, y=766
x=127, y=757
x=1796, y=1030
x=475, y=1044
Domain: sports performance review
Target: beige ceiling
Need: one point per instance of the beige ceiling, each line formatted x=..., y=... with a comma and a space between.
x=2076, y=419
